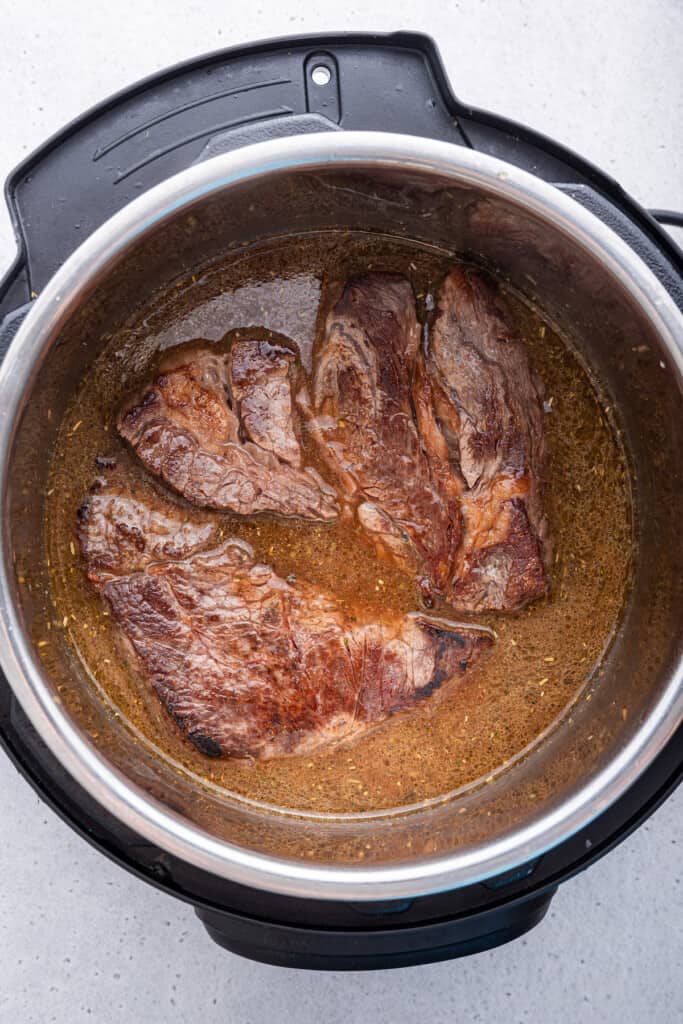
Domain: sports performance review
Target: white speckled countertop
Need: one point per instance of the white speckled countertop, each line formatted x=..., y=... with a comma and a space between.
x=82, y=940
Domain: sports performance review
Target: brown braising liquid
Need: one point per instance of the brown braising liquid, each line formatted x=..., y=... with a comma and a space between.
x=544, y=655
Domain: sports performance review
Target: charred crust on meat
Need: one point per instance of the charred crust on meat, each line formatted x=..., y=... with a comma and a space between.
x=434, y=683
x=133, y=414
x=205, y=744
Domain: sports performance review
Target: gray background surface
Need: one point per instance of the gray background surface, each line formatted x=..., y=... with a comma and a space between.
x=81, y=940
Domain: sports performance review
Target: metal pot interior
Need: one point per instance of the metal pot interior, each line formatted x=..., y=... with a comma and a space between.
x=543, y=257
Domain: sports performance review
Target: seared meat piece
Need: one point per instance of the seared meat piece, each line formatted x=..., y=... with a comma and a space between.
x=479, y=406
x=186, y=428
x=261, y=384
x=122, y=530
x=247, y=664
x=362, y=418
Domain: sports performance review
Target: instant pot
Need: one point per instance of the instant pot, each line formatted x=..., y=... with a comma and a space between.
x=320, y=133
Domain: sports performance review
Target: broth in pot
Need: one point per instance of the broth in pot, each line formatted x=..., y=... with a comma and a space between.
x=544, y=655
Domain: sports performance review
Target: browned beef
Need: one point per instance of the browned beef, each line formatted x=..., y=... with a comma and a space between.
x=247, y=664
x=362, y=418
x=480, y=407
x=261, y=384
x=122, y=530
x=222, y=431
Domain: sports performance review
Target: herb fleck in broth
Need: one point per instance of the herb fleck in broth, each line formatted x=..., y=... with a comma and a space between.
x=543, y=654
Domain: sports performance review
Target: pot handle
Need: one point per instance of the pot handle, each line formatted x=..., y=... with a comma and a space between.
x=370, y=947
x=672, y=218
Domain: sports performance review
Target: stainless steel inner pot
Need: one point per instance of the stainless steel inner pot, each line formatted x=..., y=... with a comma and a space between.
x=629, y=333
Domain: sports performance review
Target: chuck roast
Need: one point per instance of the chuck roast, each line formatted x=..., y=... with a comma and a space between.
x=123, y=528
x=363, y=420
x=479, y=408
x=247, y=664
x=439, y=448
x=223, y=432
